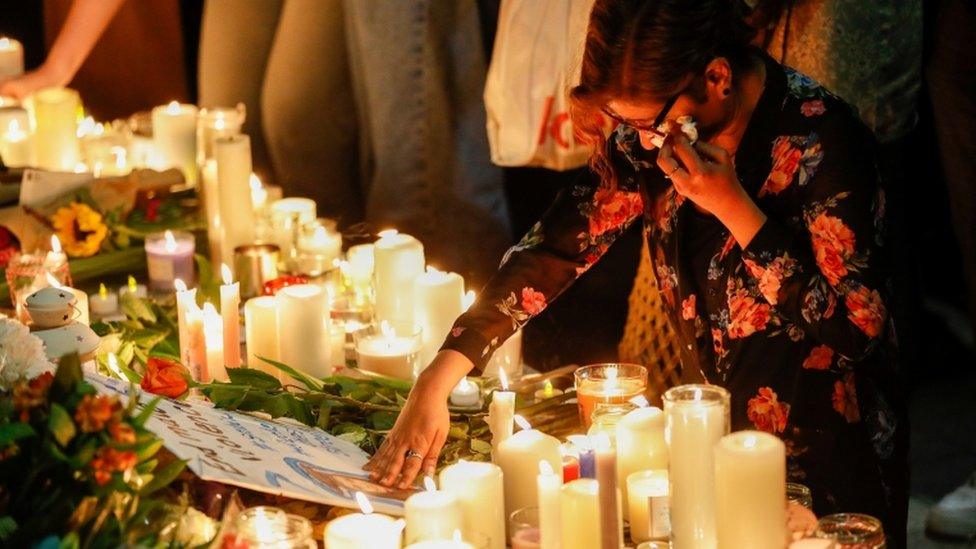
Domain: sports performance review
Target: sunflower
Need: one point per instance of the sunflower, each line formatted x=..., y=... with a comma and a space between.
x=80, y=229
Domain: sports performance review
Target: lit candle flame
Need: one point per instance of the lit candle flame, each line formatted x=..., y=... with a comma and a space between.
x=698, y=394
x=178, y=284
x=55, y=244
x=113, y=365
x=388, y=233
x=4, y=42
x=545, y=468
x=464, y=385
x=173, y=107
x=220, y=124
x=433, y=270
x=522, y=423
x=226, y=274
x=170, y=245
x=503, y=379
x=81, y=167
x=468, y=300
x=364, y=505
x=547, y=389
x=13, y=129
x=87, y=127
x=133, y=286
x=102, y=291
x=749, y=441
x=640, y=401
x=429, y=484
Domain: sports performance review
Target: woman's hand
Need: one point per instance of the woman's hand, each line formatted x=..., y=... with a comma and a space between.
x=705, y=174
x=421, y=429
x=29, y=82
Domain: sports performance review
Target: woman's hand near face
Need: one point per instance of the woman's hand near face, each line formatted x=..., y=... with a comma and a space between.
x=705, y=174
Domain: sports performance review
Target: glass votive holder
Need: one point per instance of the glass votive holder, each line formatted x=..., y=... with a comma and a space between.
x=318, y=247
x=799, y=494
x=852, y=531
x=27, y=273
x=271, y=528
x=169, y=255
x=216, y=122
x=287, y=217
x=609, y=383
x=389, y=348
x=523, y=524
x=605, y=418
x=648, y=500
x=255, y=264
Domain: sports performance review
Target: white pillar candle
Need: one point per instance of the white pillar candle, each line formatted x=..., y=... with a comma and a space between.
x=230, y=302
x=169, y=256
x=648, y=501
x=438, y=301
x=185, y=300
x=432, y=514
x=11, y=58
x=580, y=509
x=366, y=529
x=606, y=476
x=359, y=265
x=261, y=333
x=233, y=156
x=640, y=446
x=548, y=483
x=441, y=544
x=519, y=456
x=175, y=138
x=304, y=334
x=466, y=394
x=196, y=360
x=104, y=303
x=399, y=259
x=479, y=489
x=392, y=350
x=54, y=122
x=501, y=414
x=15, y=145
x=696, y=417
x=750, y=483
x=211, y=203
x=213, y=337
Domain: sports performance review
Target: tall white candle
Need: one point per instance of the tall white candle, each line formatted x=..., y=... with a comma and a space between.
x=438, y=301
x=175, y=138
x=750, y=483
x=11, y=58
x=501, y=414
x=580, y=507
x=211, y=203
x=230, y=302
x=304, y=329
x=185, y=300
x=479, y=489
x=648, y=500
x=519, y=456
x=548, y=484
x=261, y=333
x=233, y=156
x=432, y=514
x=366, y=529
x=15, y=145
x=54, y=121
x=213, y=336
x=196, y=360
x=606, y=476
x=640, y=446
x=399, y=259
x=696, y=417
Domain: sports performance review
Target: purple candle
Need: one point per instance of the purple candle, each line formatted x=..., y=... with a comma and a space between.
x=169, y=255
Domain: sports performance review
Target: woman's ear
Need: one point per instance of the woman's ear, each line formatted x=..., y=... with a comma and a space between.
x=718, y=78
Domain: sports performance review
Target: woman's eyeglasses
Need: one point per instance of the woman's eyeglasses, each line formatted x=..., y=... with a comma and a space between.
x=652, y=127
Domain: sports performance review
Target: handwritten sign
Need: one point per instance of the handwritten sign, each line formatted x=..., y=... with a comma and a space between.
x=269, y=456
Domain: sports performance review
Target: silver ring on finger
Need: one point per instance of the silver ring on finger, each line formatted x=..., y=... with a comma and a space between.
x=411, y=453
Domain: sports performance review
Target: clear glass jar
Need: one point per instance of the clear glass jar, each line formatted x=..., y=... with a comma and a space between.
x=610, y=383
x=852, y=531
x=606, y=416
x=799, y=494
x=272, y=528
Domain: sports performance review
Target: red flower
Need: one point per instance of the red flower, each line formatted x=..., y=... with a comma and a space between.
x=29, y=395
x=766, y=412
x=688, y=308
x=833, y=243
x=152, y=209
x=813, y=108
x=533, y=302
x=866, y=310
x=747, y=316
x=786, y=161
x=272, y=287
x=613, y=208
x=164, y=377
x=94, y=412
x=770, y=279
x=844, y=399
x=122, y=433
x=717, y=344
x=820, y=358
x=108, y=460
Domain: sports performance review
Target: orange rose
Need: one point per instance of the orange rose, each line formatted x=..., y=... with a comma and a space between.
x=164, y=377
x=94, y=412
x=766, y=412
x=533, y=302
x=108, y=460
x=833, y=243
x=786, y=161
x=866, y=310
x=820, y=358
x=688, y=310
x=747, y=316
x=844, y=399
x=612, y=209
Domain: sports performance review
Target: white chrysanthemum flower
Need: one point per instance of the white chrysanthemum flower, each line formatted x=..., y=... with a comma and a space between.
x=21, y=353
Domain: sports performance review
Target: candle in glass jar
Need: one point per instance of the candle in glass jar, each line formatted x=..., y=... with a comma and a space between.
x=54, y=123
x=366, y=529
x=169, y=256
x=288, y=215
x=648, y=501
x=479, y=489
x=519, y=456
x=175, y=138
x=304, y=329
x=431, y=514
x=213, y=338
x=261, y=333
x=15, y=145
x=438, y=301
x=358, y=268
x=216, y=122
x=233, y=155
x=318, y=247
x=391, y=349
x=230, y=302
x=750, y=480
x=11, y=58
x=398, y=260
x=607, y=383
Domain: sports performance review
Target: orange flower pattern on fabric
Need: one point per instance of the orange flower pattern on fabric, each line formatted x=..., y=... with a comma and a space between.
x=533, y=302
x=613, y=208
x=688, y=310
x=95, y=411
x=833, y=243
x=845, y=399
x=747, y=315
x=786, y=161
x=770, y=278
x=820, y=358
x=813, y=108
x=164, y=377
x=866, y=310
x=766, y=412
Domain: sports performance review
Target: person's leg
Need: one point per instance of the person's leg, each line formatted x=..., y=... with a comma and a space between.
x=308, y=111
x=235, y=39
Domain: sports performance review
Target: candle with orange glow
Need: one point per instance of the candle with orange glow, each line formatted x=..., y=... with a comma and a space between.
x=175, y=138
x=607, y=383
x=230, y=302
x=213, y=338
x=365, y=529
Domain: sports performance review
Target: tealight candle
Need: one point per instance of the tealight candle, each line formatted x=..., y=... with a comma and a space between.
x=547, y=391
x=479, y=489
x=398, y=260
x=11, y=58
x=175, y=138
x=391, y=349
x=134, y=288
x=607, y=383
x=640, y=445
x=466, y=394
x=54, y=120
x=548, y=483
x=15, y=146
x=213, y=337
x=432, y=514
x=261, y=333
x=580, y=510
x=169, y=256
x=438, y=301
x=647, y=500
x=318, y=247
x=103, y=303
x=304, y=329
x=750, y=480
x=366, y=529
x=501, y=413
x=519, y=456
x=230, y=302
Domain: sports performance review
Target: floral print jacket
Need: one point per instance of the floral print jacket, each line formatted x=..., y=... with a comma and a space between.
x=795, y=325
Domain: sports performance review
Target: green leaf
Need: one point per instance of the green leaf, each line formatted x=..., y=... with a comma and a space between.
x=163, y=477
x=7, y=527
x=167, y=348
x=325, y=413
x=138, y=308
x=146, y=338
x=148, y=449
x=480, y=446
x=225, y=397
x=382, y=421
x=253, y=377
x=145, y=413
x=12, y=432
x=67, y=377
x=354, y=437
x=308, y=381
x=60, y=425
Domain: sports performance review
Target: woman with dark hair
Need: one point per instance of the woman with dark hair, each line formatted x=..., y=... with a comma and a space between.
x=765, y=235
